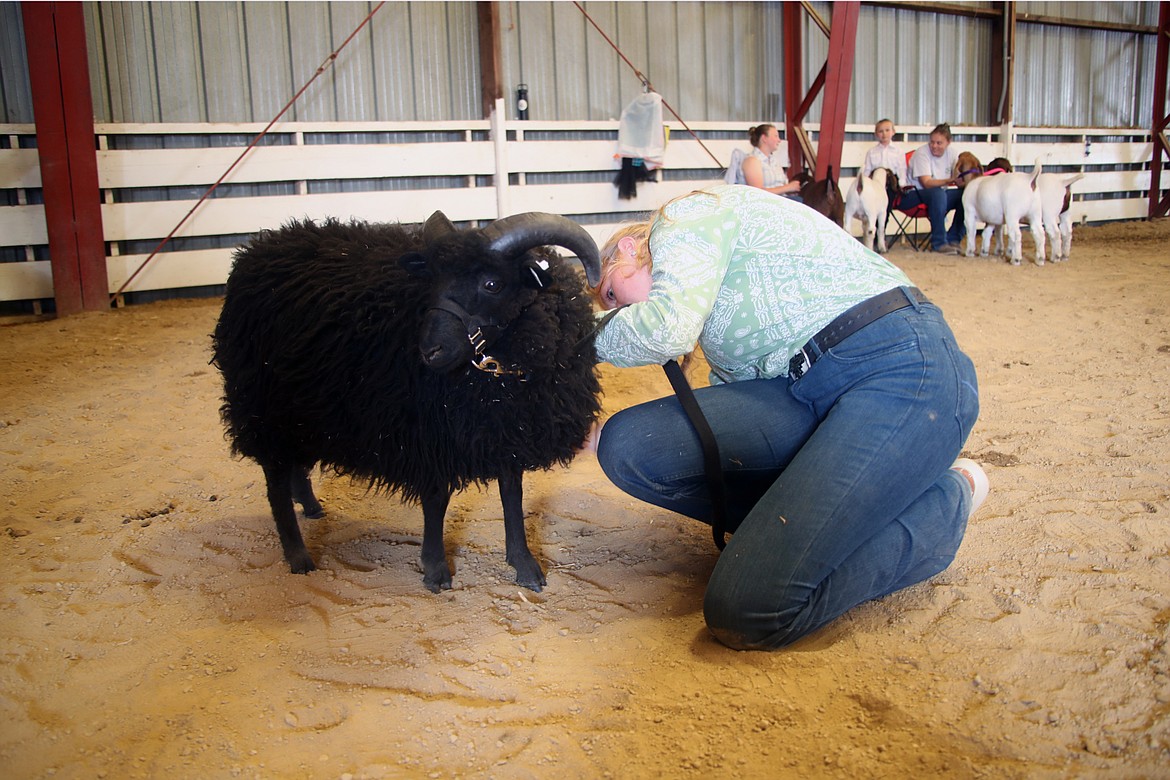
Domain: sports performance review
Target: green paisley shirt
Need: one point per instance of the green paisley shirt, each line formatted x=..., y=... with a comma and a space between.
x=748, y=276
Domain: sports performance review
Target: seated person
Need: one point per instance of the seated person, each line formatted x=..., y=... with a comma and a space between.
x=931, y=168
x=885, y=154
x=763, y=168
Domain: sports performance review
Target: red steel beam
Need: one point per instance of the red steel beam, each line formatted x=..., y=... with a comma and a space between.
x=54, y=34
x=1160, y=206
x=814, y=89
x=491, y=83
x=838, y=75
x=793, y=83
x=834, y=77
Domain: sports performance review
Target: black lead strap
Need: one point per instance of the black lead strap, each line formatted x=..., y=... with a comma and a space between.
x=712, y=463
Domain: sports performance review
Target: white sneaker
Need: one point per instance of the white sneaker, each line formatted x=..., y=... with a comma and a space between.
x=976, y=478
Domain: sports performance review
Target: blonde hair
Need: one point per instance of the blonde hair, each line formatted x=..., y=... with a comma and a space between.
x=612, y=260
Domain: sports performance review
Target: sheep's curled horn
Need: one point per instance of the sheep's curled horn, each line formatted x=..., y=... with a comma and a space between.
x=513, y=236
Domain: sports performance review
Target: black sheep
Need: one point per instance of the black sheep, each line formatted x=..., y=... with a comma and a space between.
x=420, y=359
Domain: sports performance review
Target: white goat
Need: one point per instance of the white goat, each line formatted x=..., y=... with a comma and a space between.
x=869, y=201
x=1005, y=199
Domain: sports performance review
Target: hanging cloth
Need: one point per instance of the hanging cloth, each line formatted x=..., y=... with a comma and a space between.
x=641, y=142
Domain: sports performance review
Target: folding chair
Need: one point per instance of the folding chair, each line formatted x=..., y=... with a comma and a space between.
x=904, y=220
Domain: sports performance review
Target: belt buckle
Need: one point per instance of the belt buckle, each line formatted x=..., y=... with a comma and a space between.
x=799, y=364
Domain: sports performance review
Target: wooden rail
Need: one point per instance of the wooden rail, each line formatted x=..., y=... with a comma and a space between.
x=473, y=171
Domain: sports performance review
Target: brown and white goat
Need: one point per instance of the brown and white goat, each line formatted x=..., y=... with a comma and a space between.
x=967, y=169
x=869, y=201
x=1004, y=200
x=1055, y=190
x=823, y=196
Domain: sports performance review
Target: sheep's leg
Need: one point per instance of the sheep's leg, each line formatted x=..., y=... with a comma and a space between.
x=880, y=228
x=302, y=493
x=528, y=571
x=436, y=573
x=280, y=499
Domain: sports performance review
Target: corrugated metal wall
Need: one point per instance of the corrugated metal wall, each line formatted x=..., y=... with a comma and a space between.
x=708, y=60
x=15, y=96
x=915, y=68
x=1068, y=77
x=242, y=61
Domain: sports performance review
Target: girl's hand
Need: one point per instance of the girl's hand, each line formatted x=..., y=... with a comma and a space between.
x=590, y=444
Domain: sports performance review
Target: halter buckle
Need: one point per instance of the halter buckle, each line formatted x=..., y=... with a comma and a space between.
x=490, y=365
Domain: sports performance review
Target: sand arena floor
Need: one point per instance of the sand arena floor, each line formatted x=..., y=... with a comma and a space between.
x=150, y=628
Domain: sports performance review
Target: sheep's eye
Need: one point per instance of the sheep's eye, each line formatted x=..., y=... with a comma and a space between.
x=492, y=285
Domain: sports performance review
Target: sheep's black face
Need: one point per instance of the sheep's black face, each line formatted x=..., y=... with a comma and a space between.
x=473, y=304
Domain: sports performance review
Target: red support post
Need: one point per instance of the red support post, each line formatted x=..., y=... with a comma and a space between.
x=838, y=75
x=793, y=82
x=491, y=82
x=58, y=67
x=1160, y=206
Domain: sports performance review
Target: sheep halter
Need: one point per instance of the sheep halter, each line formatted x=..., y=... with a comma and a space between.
x=478, y=339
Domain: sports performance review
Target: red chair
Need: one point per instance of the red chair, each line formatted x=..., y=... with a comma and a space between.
x=905, y=219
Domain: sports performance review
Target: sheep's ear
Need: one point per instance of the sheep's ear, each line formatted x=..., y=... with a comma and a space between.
x=535, y=273
x=414, y=263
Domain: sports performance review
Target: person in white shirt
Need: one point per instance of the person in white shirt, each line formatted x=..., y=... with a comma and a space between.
x=885, y=154
x=931, y=169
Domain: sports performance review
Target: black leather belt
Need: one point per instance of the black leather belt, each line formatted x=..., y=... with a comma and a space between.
x=853, y=320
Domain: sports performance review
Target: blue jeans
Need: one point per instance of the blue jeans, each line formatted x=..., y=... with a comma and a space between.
x=939, y=201
x=839, y=483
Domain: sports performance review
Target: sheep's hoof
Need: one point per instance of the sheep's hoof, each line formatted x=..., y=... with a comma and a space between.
x=437, y=577
x=301, y=562
x=529, y=575
x=533, y=585
x=312, y=510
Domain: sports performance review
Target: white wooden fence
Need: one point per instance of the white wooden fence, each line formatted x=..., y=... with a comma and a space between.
x=479, y=171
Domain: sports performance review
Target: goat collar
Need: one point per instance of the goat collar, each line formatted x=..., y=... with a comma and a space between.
x=481, y=334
